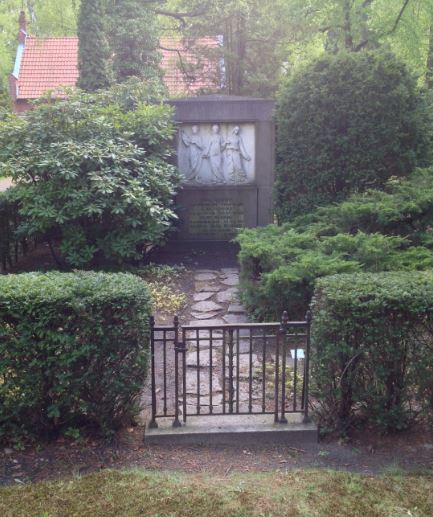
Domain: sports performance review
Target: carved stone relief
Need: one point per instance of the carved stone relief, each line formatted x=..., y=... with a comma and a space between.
x=217, y=154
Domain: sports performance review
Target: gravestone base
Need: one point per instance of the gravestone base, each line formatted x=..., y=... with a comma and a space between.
x=233, y=430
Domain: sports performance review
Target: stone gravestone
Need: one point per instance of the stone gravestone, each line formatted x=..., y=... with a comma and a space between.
x=225, y=153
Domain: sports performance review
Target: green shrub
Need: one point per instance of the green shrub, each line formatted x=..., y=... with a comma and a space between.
x=372, y=359
x=347, y=123
x=11, y=246
x=92, y=172
x=73, y=351
x=404, y=207
x=279, y=266
x=375, y=231
x=8, y=218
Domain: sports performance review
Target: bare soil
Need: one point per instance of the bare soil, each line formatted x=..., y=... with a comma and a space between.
x=369, y=453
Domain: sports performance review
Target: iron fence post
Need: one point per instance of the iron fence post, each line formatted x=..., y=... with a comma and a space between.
x=176, y=422
x=277, y=375
x=283, y=330
x=308, y=319
x=152, y=423
x=231, y=388
x=184, y=375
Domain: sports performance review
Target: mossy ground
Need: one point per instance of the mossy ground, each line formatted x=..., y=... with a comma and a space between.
x=297, y=493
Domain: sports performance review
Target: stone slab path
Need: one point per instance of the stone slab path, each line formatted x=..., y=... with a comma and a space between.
x=215, y=298
x=214, y=301
x=216, y=294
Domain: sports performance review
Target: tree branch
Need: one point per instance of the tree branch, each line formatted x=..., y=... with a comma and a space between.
x=330, y=27
x=364, y=43
x=181, y=16
x=182, y=64
x=400, y=14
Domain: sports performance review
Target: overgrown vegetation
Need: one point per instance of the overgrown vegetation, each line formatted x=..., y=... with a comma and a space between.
x=296, y=493
x=162, y=281
x=375, y=231
x=372, y=355
x=11, y=247
x=92, y=173
x=346, y=123
x=73, y=352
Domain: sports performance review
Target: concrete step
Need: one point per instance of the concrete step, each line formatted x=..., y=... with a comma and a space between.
x=236, y=430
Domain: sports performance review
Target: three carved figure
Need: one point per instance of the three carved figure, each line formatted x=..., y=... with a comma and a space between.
x=225, y=156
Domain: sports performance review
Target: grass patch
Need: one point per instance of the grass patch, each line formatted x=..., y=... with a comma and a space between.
x=298, y=493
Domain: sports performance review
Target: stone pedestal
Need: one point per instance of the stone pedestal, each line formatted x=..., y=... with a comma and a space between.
x=225, y=152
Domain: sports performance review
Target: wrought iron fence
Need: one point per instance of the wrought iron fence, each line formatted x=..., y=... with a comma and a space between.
x=11, y=247
x=232, y=369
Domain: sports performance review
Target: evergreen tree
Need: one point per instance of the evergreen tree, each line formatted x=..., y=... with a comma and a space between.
x=252, y=36
x=133, y=39
x=5, y=99
x=93, y=54
x=345, y=124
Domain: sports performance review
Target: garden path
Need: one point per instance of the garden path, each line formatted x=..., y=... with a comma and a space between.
x=215, y=302
x=215, y=298
x=212, y=301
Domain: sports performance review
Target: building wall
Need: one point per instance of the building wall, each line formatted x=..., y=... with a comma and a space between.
x=21, y=106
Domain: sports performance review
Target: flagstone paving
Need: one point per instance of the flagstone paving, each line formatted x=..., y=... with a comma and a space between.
x=215, y=295
x=206, y=306
x=215, y=302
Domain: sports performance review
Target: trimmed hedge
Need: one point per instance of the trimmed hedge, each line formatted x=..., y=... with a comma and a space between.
x=375, y=231
x=372, y=349
x=345, y=124
x=73, y=352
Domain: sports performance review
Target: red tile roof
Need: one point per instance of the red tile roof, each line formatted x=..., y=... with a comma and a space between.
x=52, y=63
x=193, y=70
x=47, y=64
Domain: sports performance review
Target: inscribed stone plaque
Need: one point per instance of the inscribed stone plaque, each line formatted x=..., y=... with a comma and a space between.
x=215, y=220
x=217, y=154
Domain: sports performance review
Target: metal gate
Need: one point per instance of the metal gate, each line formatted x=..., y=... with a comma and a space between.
x=233, y=369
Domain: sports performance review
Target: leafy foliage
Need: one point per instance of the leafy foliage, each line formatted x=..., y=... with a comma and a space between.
x=93, y=172
x=162, y=281
x=374, y=231
x=9, y=221
x=93, y=50
x=372, y=349
x=262, y=40
x=253, y=35
x=133, y=37
x=73, y=349
x=347, y=123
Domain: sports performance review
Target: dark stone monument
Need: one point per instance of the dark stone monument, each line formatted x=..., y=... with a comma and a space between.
x=225, y=152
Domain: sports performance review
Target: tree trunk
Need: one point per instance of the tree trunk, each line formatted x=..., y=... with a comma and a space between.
x=429, y=70
x=348, y=37
x=235, y=42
